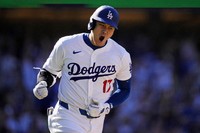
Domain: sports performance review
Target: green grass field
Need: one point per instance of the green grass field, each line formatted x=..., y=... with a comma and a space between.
x=93, y=3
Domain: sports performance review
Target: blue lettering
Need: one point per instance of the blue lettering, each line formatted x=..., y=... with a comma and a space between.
x=94, y=71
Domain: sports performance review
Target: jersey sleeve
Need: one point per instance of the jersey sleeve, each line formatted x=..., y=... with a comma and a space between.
x=54, y=62
x=125, y=71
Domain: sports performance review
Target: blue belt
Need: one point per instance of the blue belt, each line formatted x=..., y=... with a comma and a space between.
x=82, y=111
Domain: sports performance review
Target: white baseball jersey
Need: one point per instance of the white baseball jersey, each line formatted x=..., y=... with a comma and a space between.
x=86, y=73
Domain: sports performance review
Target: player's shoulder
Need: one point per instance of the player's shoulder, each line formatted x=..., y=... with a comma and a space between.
x=116, y=46
x=69, y=39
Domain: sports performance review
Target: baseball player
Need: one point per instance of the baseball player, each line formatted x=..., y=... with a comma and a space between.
x=88, y=64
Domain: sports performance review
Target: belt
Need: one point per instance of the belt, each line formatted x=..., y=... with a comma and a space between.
x=82, y=111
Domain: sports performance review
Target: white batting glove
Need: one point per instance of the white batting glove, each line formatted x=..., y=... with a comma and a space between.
x=107, y=108
x=96, y=109
x=40, y=91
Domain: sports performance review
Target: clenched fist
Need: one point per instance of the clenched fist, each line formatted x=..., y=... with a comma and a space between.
x=95, y=109
x=40, y=91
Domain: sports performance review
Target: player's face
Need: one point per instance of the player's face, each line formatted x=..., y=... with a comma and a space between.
x=101, y=33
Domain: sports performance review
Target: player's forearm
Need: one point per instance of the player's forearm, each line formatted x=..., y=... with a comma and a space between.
x=45, y=75
x=122, y=95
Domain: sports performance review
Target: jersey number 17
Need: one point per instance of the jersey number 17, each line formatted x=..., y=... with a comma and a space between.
x=107, y=86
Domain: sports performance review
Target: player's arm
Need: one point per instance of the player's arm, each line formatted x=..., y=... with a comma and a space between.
x=51, y=69
x=119, y=97
x=45, y=79
x=95, y=109
x=124, y=86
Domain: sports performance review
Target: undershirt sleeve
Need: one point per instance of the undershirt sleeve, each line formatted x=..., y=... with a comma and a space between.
x=124, y=91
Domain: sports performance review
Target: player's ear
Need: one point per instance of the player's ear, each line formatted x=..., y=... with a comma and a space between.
x=91, y=24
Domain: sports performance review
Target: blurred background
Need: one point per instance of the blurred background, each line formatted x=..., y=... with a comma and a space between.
x=164, y=44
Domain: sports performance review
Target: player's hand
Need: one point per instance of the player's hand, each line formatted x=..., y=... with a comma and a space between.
x=107, y=108
x=40, y=91
x=96, y=109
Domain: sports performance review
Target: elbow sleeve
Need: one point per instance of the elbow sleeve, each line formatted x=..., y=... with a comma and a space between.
x=45, y=75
